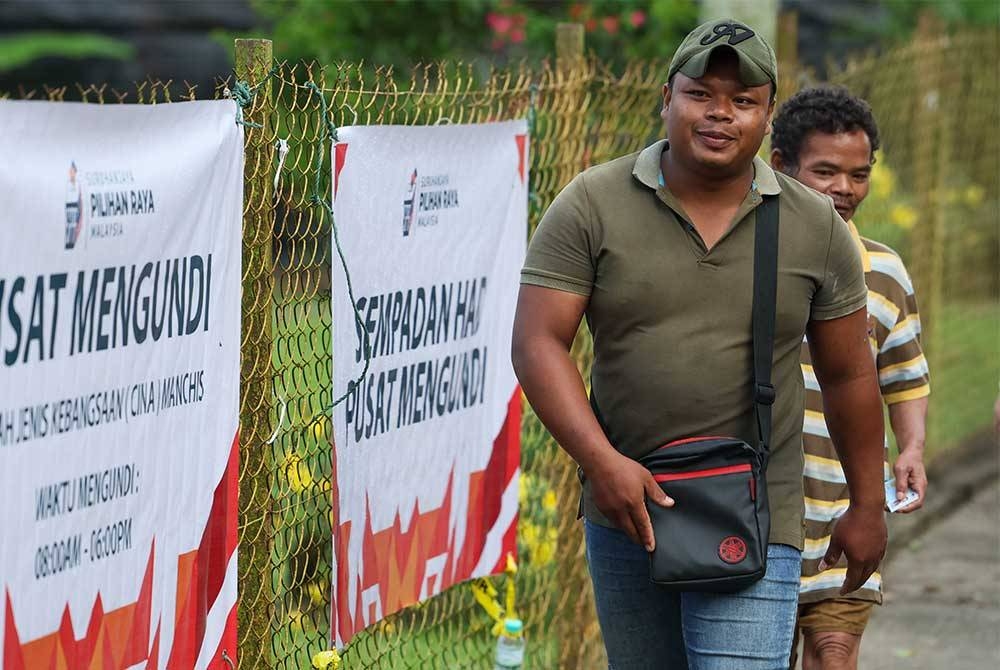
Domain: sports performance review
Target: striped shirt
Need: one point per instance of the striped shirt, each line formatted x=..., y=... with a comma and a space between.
x=894, y=334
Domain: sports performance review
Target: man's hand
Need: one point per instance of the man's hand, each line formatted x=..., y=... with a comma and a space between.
x=620, y=487
x=910, y=473
x=860, y=534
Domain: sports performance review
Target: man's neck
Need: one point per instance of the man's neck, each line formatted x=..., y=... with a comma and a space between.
x=686, y=184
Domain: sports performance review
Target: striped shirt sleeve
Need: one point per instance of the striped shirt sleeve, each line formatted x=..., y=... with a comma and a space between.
x=902, y=368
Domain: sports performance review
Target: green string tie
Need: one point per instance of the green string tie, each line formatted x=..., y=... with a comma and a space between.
x=317, y=198
x=243, y=94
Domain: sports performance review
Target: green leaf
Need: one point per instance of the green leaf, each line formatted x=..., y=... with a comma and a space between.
x=22, y=49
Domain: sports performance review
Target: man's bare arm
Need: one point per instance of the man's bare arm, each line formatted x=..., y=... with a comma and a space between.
x=909, y=424
x=845, y=369
x=544, y=327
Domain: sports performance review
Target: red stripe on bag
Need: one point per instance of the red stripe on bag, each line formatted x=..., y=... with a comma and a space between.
x=686, y=440
x=697, y=474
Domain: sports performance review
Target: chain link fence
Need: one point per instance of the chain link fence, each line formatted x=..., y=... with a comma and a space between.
x=935, y=195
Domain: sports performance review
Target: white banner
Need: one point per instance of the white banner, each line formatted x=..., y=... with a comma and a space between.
x=433, y=223
x=119, y=400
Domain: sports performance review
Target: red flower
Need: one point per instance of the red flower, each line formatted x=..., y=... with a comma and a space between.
x=575, y=11
x=610, y=24
x=637, y=18
x=517, y=35
x=590, y=26
x=499, y=23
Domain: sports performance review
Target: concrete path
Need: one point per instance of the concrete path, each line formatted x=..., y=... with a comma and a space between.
x=942, y=609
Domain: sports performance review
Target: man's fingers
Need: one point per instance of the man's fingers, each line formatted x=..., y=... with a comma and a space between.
x=832, y=555
x=624, y=523
x=902, y=481
x=656, y=494
x=643, y=526
x=857, y=575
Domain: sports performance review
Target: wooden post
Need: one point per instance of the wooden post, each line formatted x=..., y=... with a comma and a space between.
x=787, y=51
x=574, y=605
x=254, y=59
x=927, y=185
x=569, y=43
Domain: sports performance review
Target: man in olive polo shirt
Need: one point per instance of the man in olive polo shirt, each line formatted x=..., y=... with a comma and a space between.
x=656, y=250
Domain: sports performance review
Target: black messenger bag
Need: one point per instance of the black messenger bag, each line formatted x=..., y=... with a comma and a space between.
x=714, y=538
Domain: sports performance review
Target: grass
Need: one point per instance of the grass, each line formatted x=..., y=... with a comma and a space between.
x=964, y=360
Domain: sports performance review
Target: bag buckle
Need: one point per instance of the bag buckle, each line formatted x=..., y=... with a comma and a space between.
x=764, y=394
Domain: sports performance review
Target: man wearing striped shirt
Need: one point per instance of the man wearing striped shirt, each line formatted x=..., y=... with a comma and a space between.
x=826, y=138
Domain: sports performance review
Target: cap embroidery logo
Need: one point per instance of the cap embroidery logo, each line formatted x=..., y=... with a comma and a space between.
x=736, y=32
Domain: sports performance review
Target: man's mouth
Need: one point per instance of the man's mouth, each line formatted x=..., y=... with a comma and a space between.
x=843, y=209
x=714, y=138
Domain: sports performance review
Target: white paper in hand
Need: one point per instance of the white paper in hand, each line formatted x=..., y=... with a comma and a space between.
x=894, y=505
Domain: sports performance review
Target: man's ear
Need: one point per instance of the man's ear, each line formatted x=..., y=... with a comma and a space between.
x=770, y=118
x=777, y=162
x=666, y=101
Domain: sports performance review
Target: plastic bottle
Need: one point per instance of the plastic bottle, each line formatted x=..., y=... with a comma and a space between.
x=510, y=646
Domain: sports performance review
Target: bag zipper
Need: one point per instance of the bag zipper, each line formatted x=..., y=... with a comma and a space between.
x=710, y=472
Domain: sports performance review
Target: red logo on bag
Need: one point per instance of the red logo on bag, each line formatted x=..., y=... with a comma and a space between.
x=733, y=549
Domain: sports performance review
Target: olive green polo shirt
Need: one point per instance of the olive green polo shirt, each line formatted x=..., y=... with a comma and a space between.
x=671, y=320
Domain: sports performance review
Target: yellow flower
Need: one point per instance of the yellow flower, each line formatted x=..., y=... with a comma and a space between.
x=903, y=216
x=544, y=552
x=523, y=488
x=319, y=428
x=327, y=660
x=297, y=473
x=295, y=620
x=549, y=501
x=529, y=533
x=973, y=195
x=883, y=180
x=317, y=592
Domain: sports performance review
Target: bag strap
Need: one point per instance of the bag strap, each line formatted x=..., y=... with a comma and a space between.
x=765, y=280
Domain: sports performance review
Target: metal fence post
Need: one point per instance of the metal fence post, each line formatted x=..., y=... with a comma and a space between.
x=254, y=59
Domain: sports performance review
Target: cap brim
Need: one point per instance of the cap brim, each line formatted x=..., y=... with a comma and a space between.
x=751, y=74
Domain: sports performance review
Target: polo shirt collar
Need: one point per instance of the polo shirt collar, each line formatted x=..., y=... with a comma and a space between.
x=647, y=170
x=866, y=261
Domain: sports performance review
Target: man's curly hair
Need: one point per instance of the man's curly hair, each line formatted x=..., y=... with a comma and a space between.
x=827, y=109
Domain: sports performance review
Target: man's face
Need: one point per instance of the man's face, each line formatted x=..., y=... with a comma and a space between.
x=716, y=123
x=838, y=164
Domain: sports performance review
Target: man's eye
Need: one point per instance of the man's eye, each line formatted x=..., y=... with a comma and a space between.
x=861, y=178
x=823, y=173
x=698, y=94
x=744, y=101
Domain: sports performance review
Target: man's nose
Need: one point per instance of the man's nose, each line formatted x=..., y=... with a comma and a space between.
x=720, y=109
x=841, y=184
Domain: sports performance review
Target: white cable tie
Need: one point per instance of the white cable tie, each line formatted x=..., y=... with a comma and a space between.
x=281, y=420
x=282, y=152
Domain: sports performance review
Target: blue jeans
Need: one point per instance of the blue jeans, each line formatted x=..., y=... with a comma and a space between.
x=648, y=628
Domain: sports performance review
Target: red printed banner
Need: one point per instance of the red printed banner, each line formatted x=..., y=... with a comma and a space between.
x=119, y=408
x=428, y=443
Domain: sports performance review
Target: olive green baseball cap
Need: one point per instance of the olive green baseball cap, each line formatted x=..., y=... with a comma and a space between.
x=758, y=64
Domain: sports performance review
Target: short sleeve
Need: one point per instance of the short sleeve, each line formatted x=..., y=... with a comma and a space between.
x=562, y=252
x=903, y=373
x=842, y=290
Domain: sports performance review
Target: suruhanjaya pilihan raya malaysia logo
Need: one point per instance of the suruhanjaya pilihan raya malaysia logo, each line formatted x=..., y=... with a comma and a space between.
x=74, y=208
x=408, y=200
x=104, y=204
x=425, y=199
